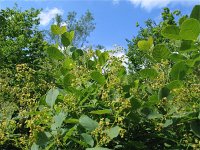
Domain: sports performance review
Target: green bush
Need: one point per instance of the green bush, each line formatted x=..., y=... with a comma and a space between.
x=93, y=105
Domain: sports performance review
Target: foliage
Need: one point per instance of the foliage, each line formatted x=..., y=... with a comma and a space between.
x=82, y=27
x=93, y=105
x=138, y=59
x=20, y=39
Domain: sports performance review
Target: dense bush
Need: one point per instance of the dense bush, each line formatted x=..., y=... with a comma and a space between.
x=92, y=103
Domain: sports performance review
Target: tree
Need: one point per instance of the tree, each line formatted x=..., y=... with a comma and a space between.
x=20, y=39
x=137, y=58
x=82, y=27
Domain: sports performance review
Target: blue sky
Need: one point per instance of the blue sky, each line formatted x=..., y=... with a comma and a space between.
x=115, y=19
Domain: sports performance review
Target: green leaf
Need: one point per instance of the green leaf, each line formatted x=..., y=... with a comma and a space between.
x=187, y=46
x=195, y=12
x=72, y=121
x=98, y=148
x=135, y=104
x=145, y=45
x=69, y=133
x=177, y=57
x=160, y=52
x=2, y=20
x=148, y=73
x=101, y=112
x=171, y=32
x=67, y=80
x=174, y=84
x=88, y=139
x=55, y=53
x=72, y=33
x=154, y=115
x=121, y=72
x=98, y=77
x=91, y=64
x=58, y=120
x=42, y=139
x=77, y=53
x=179, y=71
x=51, y=97
x=103, y=58
x=58, y=30
x=67, y=38
x=35, y=147
x=68, y=64
x=190, y=29
x=55, y=29
x=88, y=123
x=63, y=29
x=163, y=92
x=195, y=127
x=167, y=123
x=98, y=53
x=113, y=132
x=153, y=100
x=182, y=19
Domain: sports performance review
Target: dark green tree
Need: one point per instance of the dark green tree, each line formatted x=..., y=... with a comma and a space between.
x=20, y=39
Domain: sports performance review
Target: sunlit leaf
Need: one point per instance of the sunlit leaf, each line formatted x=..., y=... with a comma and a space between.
x=113, y=132
x=51, y=97
x=88, y=123
x=195, y=12
x=160, y=52
x=145, y=45
x=55, y=53
x=101, y=112
x=171, y=32
x=148, y=73
x=98, y=77
x=190, y=29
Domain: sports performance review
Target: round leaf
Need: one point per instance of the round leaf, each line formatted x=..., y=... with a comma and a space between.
x=174, y=84
x=145, y=45
x=55, y=53
x=98, y=77
x=190, y=29
x=148, y=73
x=67, y=38
x=88, y=123
x=58, y=30
x=171, y=32
x=160, y=52
x=113, y=132
x=68, y=64
x=55, y=29
x=179, y=71
x=68, y=80
x=163, y=92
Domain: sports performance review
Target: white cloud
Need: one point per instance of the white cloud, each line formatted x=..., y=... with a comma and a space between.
x=48, y=14
x=150, y=4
